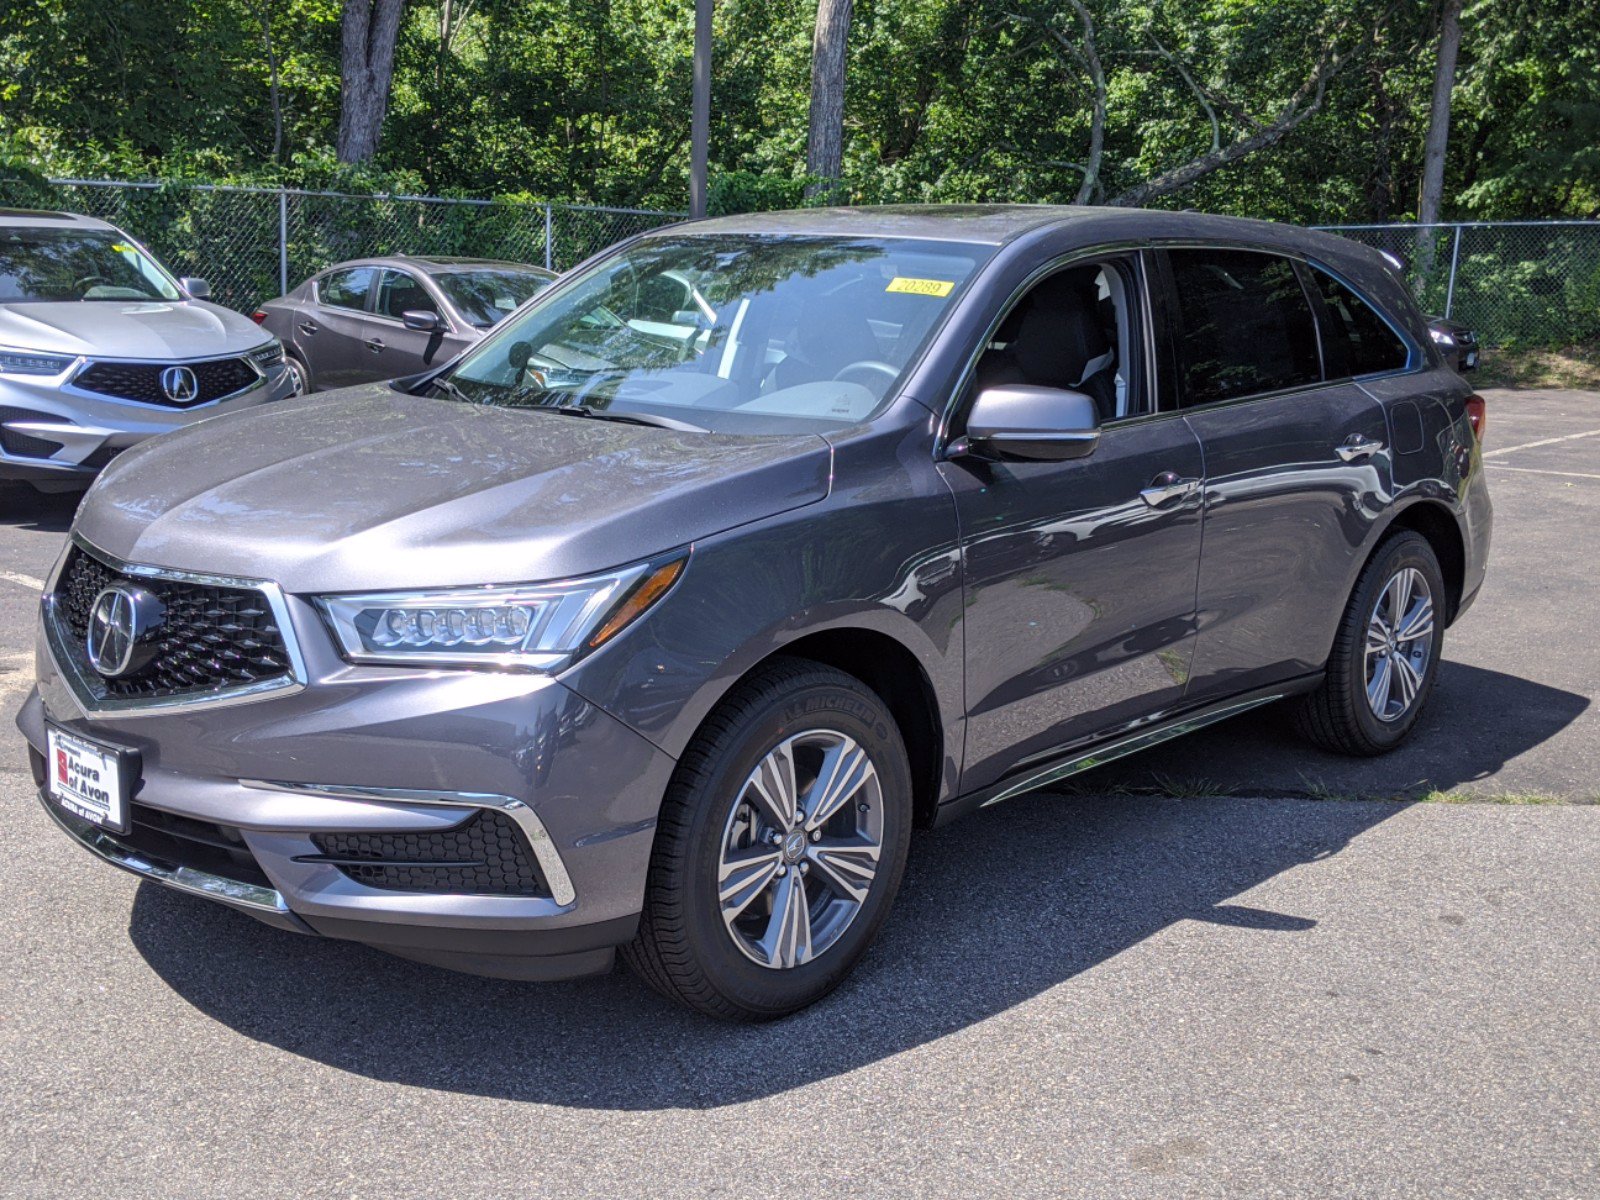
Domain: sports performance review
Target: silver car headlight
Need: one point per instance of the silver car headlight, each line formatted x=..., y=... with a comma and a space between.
x=537, y=627
x=29, y=362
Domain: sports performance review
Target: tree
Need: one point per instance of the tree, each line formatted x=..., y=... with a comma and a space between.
x=825, y=136
x=368, y=31
x=1438, y=139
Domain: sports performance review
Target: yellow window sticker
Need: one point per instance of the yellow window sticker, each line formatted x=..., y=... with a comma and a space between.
x=921, y=287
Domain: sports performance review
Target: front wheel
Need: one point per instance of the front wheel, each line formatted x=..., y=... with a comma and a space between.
x=1386, y=655
x=780, y=847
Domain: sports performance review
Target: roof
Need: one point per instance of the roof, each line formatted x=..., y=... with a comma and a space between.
x=997, y=224
x=438, y=264
x=43, y=218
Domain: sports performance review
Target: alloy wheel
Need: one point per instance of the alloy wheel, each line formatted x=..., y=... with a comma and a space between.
x=1399, y=644
x=800, y=848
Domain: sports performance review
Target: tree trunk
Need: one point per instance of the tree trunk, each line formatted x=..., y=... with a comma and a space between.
x=272, y=81
x=825, y=143
x=1437, y=141
x=368, y=32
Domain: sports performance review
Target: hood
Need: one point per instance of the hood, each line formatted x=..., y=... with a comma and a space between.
x=369, y=488
x=159, y=329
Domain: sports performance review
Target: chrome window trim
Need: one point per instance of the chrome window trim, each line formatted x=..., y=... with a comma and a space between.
x=83, y=687
x=249, y=896
x=544, y=850
x=71, y=385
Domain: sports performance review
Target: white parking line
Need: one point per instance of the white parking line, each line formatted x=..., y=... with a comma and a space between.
x=27, y=581
x=1537, y=471
x=1541, y=442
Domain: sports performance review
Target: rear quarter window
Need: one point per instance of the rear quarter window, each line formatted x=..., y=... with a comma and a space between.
x=1245, y=325
x=1356, y=338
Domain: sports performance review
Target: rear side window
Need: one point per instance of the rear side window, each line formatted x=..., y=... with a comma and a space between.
x=1358, y=341
x=346, y=289
x=1244, y=325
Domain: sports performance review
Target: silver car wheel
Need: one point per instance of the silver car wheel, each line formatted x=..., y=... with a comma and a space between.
x=1399, y=644
x=297, y=377
x=800, y=848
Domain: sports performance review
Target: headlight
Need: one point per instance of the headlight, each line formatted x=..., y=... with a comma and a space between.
x=26, y=362
x=539, y=627
x=269, y=355
x=1442, y=338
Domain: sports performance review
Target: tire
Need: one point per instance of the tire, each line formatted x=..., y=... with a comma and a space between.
x=1342, y=715
x=714, y=815
x=299, y=373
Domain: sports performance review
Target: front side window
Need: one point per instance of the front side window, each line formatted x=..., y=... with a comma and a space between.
x=77, y=264
x=399, y=292
x=346, y=289
x=1356, y=339
x=729, y=332
x=1244, y=325
x=487, y=297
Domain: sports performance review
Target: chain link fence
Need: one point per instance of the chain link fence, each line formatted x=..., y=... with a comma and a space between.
x=1515, y=282
x=1525, y=283
x=251, y=244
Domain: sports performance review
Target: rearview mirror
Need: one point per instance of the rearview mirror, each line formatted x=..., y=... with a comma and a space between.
x=421, y=320
x=1038, y=424
x=197, y=288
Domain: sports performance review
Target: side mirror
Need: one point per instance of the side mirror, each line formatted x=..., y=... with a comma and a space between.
x=422, y=320
x=197, y=288
x=1035, y=424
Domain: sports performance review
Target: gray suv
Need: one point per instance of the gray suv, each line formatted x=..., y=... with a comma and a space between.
x=100, y=348
x=658, y=621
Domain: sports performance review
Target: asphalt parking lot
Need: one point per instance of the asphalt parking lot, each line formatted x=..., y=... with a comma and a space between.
x=1223, y=969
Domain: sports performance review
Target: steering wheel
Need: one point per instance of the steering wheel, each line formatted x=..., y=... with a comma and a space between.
x=88, y=281
x=863, y=365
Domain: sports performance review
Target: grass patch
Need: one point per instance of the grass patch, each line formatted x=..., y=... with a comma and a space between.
x=1576, y=366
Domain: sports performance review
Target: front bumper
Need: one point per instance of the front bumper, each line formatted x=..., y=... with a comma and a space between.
x=367, y=750
x=54, y=432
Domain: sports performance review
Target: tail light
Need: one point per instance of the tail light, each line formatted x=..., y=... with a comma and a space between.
x=259, y=315
x=1477, y=414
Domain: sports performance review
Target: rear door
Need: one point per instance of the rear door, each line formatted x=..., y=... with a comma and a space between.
x=334, y=326
x=1297, y=466
x=1079, y=575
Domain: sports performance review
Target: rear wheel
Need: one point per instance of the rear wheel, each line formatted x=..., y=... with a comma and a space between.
x=780, y=847
x=1386, y=655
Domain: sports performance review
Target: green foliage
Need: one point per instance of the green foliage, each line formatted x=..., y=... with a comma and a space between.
x=588, y=100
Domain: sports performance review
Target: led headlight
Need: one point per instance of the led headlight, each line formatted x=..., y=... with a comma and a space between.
x=1441, y=338
x=269, y=355
x=26, y=362
x=538, y=627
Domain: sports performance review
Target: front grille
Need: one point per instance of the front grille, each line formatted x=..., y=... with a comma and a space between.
x=211, y=638
x=141, y=382
x=102, y=457
x=485, y=855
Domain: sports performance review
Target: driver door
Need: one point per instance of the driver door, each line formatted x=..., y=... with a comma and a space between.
x=1080, y=575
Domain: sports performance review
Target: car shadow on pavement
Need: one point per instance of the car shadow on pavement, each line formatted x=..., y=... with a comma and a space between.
x=995, y=910
x=1477, y=720
x=24, y=507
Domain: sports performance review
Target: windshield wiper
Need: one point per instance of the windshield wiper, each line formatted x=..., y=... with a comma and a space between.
x=449, y=388
x=629, y=418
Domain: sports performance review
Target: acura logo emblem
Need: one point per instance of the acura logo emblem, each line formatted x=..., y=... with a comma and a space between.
x=179, y=384
x=119, y=619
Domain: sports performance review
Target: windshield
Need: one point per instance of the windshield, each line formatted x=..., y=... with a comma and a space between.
x=728, y=332
x=485, y=298
x=78, y=264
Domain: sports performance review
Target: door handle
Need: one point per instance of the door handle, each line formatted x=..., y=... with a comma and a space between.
x=1167, y=487
x=308, y=327
x=1356, y=447
x=375, y=345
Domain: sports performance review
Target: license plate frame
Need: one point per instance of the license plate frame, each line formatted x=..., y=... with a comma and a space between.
x=100, y=791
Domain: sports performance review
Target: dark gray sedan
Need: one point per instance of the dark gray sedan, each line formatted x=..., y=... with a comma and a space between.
x=379, y=318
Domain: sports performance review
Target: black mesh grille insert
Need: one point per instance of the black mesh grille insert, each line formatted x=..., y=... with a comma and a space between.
x=142, y=381
x=102, y=457
x=487, y=854
x=211, y=637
